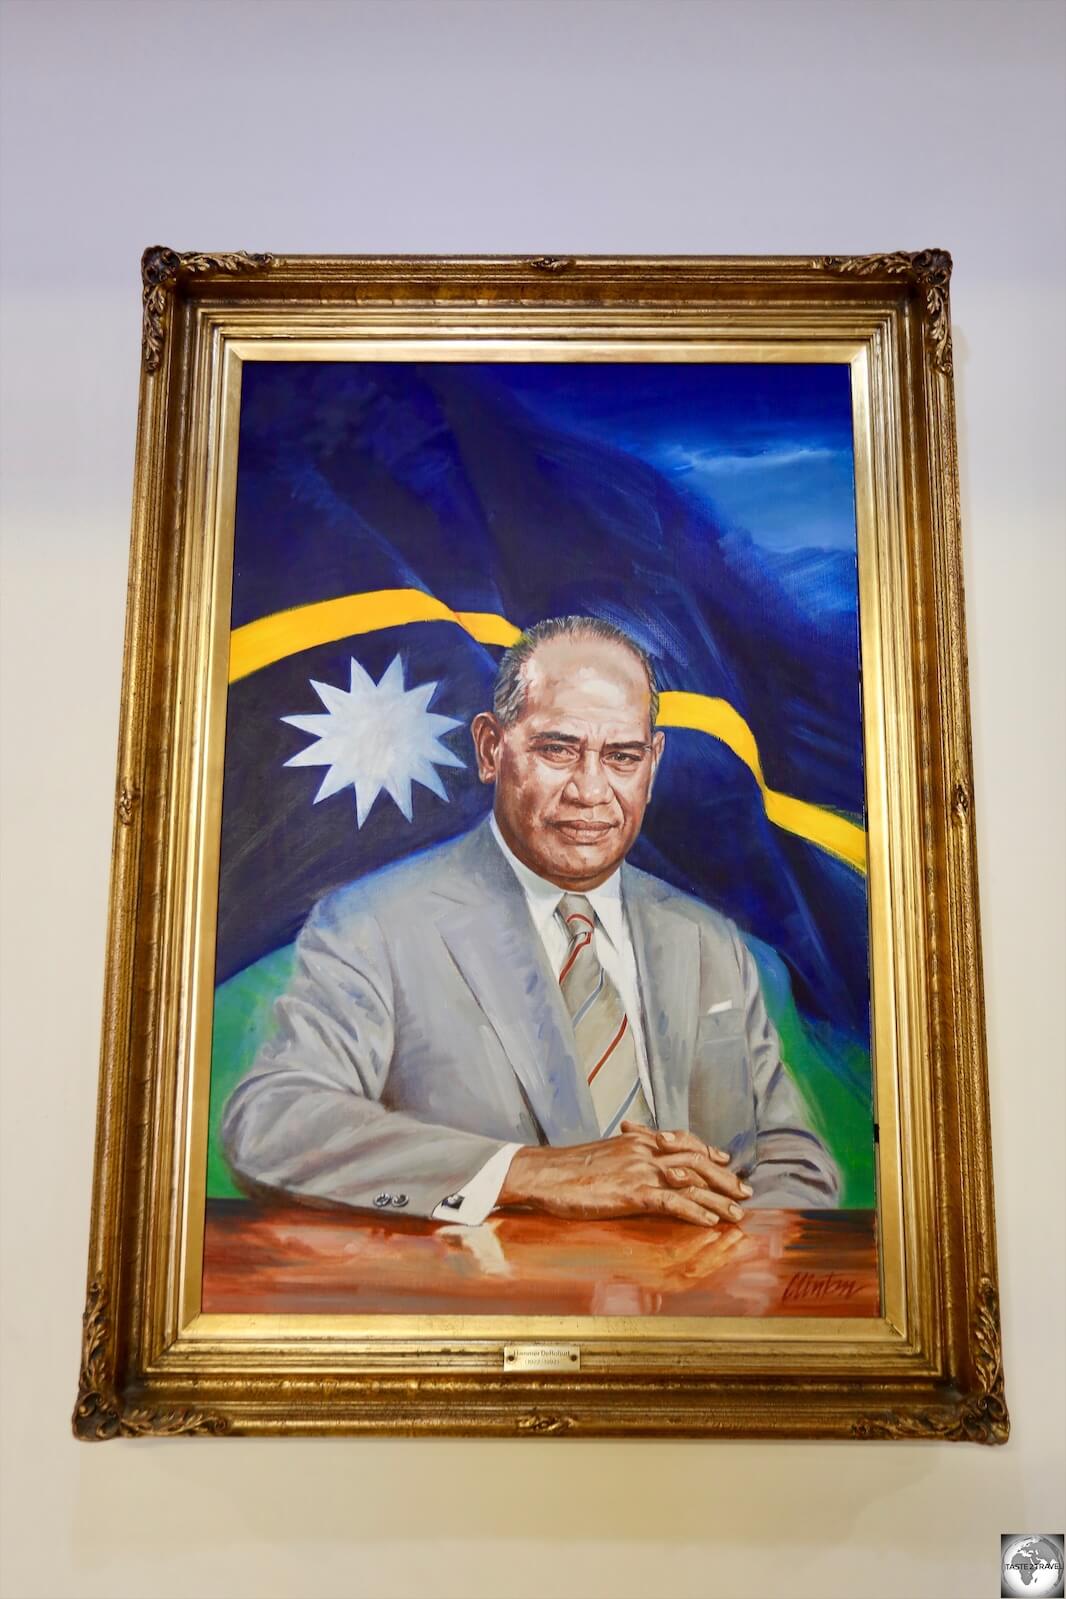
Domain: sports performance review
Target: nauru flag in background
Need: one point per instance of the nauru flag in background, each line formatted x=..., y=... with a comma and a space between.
x=397, y=524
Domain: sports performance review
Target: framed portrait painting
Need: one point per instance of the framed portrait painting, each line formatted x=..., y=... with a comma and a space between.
x=544, y=985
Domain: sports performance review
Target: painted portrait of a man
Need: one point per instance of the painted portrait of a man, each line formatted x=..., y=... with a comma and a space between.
x=542, y=876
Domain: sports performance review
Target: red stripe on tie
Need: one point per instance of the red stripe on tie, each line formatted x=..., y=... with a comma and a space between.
x=610, y=1048
x=577, y=916
x=575, y=950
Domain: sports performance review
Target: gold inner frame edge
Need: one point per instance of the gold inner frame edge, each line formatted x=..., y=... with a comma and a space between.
x=223, y=341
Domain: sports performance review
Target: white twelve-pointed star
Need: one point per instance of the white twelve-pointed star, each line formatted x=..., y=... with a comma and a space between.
x=376, y=736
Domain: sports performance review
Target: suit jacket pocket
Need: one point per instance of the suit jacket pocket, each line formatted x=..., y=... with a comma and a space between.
x=721, y=1024
x=721, y=1093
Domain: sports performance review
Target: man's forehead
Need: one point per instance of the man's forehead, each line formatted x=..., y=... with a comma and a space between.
x=574, y=679
x=592, y=664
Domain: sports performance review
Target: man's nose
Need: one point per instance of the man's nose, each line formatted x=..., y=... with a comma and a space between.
x=588, y=783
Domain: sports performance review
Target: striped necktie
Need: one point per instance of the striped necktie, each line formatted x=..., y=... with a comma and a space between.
x=606, y=1048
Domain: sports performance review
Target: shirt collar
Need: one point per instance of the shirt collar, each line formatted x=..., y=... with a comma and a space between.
x=543, y=897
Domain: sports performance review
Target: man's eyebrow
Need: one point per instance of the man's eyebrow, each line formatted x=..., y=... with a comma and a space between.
x=615, y=745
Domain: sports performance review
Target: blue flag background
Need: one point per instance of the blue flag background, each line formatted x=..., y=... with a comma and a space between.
x=709, y=510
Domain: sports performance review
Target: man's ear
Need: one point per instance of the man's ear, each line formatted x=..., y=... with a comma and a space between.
x=658, y=744
x=487, y=733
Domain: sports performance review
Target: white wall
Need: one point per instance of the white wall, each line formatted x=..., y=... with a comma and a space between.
x=570, y=126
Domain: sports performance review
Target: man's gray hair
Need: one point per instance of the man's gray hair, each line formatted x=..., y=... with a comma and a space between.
x=509, y=695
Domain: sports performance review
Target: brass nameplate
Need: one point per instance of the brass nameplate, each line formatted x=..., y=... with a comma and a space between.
x=541, y=1357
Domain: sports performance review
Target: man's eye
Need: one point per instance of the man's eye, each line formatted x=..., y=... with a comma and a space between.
x=623, y=760
x=553, y=749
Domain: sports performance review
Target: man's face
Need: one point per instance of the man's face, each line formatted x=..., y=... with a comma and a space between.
x=573, y=774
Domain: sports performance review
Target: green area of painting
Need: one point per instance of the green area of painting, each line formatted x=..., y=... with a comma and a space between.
x=244, y=1020
x=832, y=1074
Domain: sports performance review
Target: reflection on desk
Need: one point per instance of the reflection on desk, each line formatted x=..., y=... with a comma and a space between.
x=291, y=1259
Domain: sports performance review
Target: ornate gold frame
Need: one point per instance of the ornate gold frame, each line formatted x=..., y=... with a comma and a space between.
x=930, y=1365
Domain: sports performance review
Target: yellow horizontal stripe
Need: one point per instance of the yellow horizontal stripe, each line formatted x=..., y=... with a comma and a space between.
x=274, y=638
x=489, y=629
x=719, y=720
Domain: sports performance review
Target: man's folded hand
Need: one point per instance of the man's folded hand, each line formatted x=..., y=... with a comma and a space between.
x=642, y=1172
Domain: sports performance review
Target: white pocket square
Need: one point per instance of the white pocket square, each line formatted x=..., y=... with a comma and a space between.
x=723, y=1004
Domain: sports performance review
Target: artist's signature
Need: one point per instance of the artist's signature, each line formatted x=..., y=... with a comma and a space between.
x=819, y=1285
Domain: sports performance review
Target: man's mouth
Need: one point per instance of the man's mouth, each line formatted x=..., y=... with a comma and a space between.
x=584, y=832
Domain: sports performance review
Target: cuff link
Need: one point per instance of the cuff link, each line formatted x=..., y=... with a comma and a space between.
x=383, y=1201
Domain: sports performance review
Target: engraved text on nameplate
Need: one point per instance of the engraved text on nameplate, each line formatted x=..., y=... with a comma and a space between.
x=541, y=1357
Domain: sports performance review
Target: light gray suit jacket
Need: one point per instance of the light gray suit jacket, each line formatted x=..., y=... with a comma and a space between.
x=424, y=1029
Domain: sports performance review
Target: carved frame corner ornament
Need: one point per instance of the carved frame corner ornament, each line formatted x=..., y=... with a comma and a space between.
x=99, y=1413
x=930, y=273
x=161, y=268
x=981, y=1417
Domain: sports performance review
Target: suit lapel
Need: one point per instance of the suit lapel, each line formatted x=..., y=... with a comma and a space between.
x=667, y=950
x=486, y=925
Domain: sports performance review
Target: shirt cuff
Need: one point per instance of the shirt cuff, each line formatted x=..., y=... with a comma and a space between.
x=473, y=1202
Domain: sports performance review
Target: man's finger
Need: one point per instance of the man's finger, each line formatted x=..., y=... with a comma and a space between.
x=648, y=1135
x=684, y=1208
x=720, y=1178
x=672, y=1139
x=681, y=1178
x=675, y=1141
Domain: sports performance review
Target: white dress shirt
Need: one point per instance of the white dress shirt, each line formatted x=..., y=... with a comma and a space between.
x=614, y=950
